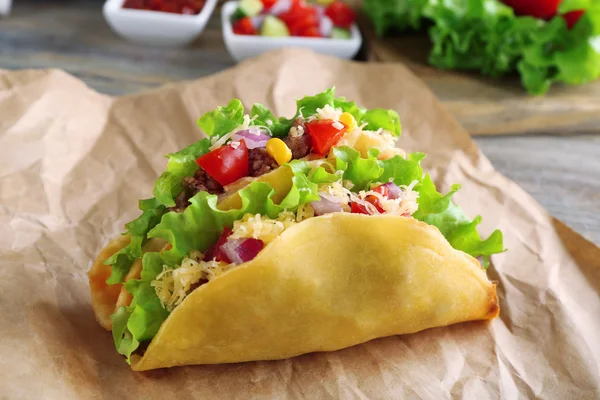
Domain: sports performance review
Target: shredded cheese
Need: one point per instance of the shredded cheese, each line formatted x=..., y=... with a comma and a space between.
x=338, y=125
x=172, y=285
x=261, y=227
x=296, y=131
x=327, y=112
x=405, y=204
x=304, y=211
x=335, y=192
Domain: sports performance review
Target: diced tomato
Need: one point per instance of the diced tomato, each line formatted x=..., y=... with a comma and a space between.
x=215, y=250
x=311, y=31
x=226, y=164
x=356, y=208
x=375, y=201
x=341, y=14
x=572, y=17
x=300, y=17
x=381, y=189
x=244, y=26
x=544, y=9
x=324, y=134
x=267, y=4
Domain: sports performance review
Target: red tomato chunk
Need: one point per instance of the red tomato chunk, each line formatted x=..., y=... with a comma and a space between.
x=226, y=164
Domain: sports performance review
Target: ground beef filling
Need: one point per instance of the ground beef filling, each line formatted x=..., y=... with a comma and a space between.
x=200, y=182
x=300, y=145
x=259, y=163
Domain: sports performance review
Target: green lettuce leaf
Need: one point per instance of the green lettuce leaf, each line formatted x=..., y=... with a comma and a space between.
x=121, y=261
x=402, y=171
x=572, y=5
x=349, y=107
x=394, y=16
x=321, y=175
x=439, y=210
x=487, y=36
x=385, y=119
x=180, y=165
x=142, y=319
x=308, y=105
x=222, y=120
x=122, y=336
x=264, y=117
x=360, y=171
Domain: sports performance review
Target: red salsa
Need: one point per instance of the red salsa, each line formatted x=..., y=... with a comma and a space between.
x=190, y=7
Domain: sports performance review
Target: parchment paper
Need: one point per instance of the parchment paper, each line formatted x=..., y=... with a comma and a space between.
x=74, y=163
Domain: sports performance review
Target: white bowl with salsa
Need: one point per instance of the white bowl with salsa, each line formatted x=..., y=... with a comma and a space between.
x=157, y=28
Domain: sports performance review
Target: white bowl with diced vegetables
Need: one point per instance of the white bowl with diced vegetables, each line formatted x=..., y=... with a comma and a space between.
x=253, y=27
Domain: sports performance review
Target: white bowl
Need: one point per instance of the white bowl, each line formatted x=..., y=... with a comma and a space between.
x=244, y=46
x=156, y=27
x=5, y=6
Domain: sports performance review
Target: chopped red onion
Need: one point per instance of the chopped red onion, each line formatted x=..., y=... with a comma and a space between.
x=258, y=20
x=280, y=7
x=240, y=251
x=253, y=137
x=393, y=190
x=325, y=205
x=326, y=26
x=320, y=10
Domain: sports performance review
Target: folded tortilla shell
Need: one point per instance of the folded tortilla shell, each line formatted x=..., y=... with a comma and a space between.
x=327, y=283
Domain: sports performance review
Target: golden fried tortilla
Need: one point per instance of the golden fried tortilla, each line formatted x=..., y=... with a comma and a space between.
x=327, y=283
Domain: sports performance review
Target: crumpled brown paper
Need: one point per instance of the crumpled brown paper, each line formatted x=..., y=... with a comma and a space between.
x=74, y=163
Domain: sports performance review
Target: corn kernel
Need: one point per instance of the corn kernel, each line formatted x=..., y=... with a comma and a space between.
x=348, y=119
x=279, y=151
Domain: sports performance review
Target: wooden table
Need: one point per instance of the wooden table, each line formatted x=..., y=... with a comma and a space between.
x=561, y=172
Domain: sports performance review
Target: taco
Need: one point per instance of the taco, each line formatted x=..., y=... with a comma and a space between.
x=340, y=243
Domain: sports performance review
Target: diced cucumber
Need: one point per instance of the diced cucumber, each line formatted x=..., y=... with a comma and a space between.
x=250, y=8
x=274, y=27
x=340, y=33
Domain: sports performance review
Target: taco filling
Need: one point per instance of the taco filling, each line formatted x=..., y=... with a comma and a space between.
x=332, y=158
x=252, y=150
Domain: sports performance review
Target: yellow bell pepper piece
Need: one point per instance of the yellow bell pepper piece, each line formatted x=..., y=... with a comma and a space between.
x=279, y=151
x=348, y=119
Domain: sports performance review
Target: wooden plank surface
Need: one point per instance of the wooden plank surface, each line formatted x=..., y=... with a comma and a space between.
x=487, y=106
x=562, y=172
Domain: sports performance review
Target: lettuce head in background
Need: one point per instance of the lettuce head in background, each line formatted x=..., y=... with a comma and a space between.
x=544, y=41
